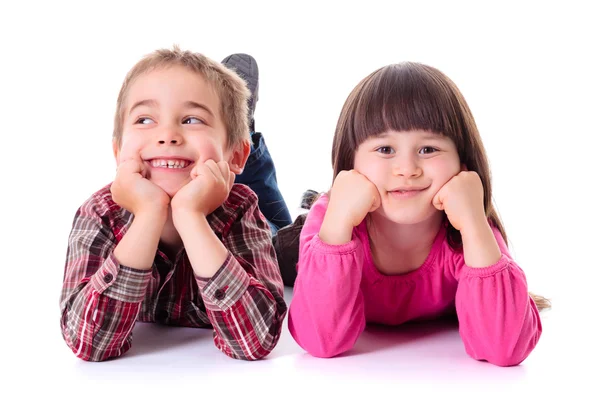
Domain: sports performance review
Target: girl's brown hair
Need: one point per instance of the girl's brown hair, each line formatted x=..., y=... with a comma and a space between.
x=414, y=96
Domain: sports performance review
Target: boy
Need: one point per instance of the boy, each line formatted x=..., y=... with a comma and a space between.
x=173, y=240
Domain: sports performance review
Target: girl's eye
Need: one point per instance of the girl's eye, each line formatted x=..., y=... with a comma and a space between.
x=385, y=150
x=192, y=120
x=143, y=121
x=427, y=150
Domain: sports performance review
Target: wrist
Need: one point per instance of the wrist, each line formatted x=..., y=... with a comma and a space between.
x=184, y=217
x=152, y=215
x=475, y=228
x=335, y=229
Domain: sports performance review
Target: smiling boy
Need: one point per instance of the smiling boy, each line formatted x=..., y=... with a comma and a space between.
x=172, y=239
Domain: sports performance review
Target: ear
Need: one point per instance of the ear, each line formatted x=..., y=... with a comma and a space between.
x=116, y=151
x=238, y=157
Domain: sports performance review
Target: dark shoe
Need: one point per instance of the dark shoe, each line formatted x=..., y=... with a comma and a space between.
x=246, y=67
x=287, y=248
x=308, y=198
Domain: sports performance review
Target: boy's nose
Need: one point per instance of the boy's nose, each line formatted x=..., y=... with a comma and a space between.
x=172, y=141
x=170, y=137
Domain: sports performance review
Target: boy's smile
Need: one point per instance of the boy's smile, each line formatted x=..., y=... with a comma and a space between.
x=172, y=122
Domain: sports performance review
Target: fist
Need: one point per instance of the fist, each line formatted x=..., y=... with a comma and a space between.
x=134, y=192
x=352, y=197
x=210, y=185
x=461, y=198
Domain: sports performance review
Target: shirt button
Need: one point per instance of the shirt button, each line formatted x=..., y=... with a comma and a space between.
x=219, y=294
x=108, y=278
x=162, y=315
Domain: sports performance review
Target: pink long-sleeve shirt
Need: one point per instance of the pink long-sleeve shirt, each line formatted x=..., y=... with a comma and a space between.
x=339, y=290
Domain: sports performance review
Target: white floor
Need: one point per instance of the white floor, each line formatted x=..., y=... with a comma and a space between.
x=527, y=69
x=425, y=360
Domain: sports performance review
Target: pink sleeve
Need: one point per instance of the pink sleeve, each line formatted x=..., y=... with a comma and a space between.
x=498, y=320
x=326, y=313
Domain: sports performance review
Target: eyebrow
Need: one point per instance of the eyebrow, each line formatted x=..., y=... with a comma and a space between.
x=154, y=103
x=149, y=103
x=193, y=104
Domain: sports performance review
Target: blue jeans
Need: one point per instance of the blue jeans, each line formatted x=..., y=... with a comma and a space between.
x=259, y=175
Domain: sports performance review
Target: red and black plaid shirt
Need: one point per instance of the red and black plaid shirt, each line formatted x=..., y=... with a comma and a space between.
x=101, y=300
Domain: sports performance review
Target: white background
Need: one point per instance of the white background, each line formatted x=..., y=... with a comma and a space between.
x=529, y=71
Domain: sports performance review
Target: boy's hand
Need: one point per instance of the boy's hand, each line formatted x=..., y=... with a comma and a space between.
x=208, y=189
x=132, y=191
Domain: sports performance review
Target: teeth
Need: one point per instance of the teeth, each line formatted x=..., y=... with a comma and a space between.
x=169, y=163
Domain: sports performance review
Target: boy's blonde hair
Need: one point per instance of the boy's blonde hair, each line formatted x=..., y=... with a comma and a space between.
x=231, y=89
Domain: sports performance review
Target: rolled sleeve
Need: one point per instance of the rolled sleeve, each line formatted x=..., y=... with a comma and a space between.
x=226, y=286
x=120, y=282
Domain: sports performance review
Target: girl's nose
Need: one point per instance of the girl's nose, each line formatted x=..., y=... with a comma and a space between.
x=407, y=167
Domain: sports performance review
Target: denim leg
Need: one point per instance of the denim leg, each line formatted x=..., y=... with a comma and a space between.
x=259, y=174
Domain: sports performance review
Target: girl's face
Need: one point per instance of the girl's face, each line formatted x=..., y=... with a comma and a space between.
x=408, y=168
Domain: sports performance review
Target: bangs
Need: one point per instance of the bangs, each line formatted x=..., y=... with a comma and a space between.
x=402, y=97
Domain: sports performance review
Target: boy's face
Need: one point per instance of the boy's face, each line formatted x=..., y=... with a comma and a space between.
x=171, y=122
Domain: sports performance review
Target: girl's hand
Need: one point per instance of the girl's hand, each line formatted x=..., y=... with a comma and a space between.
x=351, y=198
x=461, y=198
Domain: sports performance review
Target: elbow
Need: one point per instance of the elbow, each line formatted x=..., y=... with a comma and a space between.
x=89, y=352
x=320, y=344
x=251, y=348
x=93, y=355
x=508, y=356
x=506, y=360
x=324, y=350
x=249, y=355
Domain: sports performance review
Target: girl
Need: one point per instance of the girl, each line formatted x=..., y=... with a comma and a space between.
x=408, y=230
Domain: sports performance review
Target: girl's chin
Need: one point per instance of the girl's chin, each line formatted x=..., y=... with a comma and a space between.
x=408, y=217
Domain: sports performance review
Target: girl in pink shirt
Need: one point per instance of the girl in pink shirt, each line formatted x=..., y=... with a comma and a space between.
x=408, y=231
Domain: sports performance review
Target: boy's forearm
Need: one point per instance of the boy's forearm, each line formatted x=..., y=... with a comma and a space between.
x=138, y=247
x=204, y=249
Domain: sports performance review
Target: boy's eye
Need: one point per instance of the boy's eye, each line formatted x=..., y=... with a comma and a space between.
x=385, y=150
x=143, y=121
x=192, y=120
x=427, y=150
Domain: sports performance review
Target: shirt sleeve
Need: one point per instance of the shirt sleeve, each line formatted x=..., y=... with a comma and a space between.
x=100, y=298
x=244, y=299
x=498, y=320
x=327, y=309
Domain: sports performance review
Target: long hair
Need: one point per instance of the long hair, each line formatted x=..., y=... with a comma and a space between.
x=414, y=96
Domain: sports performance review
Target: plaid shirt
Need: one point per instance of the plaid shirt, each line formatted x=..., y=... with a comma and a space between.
x=101, y=300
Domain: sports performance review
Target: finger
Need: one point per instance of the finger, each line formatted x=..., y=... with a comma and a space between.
x=132, y=166
x=212, y=166
x=231, y=180
x=438, y=201
x=144, y=166
x=224, y=170
x=376, y=201
x=194, y=172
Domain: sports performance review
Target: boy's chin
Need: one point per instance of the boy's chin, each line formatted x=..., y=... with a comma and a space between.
x=170, y=187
